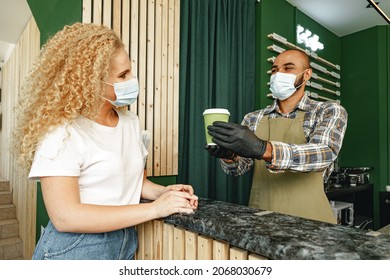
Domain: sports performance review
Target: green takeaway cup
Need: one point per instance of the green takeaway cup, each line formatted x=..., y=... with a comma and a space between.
x=212, y=115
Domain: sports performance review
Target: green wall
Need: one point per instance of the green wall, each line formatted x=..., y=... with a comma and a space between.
x=52, y=15
x=276, y=16
x=365, y=81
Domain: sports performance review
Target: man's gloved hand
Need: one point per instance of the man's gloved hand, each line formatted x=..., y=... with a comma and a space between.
x=237, y=138
x=219, y=152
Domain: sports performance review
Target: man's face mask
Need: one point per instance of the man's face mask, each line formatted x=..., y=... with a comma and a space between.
x=282, y=85
x=126, y=92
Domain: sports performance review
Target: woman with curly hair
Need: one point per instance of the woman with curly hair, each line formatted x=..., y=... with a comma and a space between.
x=76, y=136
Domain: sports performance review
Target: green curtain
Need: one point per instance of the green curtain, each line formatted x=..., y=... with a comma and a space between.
x=217, y=70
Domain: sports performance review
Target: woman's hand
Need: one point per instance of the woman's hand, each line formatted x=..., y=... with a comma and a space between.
x=175, y=201
x=187, y=189
x=168, y=200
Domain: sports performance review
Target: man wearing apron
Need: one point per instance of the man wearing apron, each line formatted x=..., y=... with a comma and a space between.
x=291, y=144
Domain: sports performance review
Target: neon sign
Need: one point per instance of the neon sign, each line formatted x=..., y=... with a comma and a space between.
x=311, y=41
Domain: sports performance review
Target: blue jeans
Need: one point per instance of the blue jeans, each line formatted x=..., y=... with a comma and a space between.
x=114, y=245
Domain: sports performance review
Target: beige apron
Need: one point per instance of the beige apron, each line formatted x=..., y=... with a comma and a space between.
x=291, y=193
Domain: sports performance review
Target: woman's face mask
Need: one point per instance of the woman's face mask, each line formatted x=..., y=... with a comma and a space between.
x=282, y=85
x=126, y=92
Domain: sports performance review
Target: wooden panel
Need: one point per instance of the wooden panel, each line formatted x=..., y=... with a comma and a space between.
x=168, y=237
x=97, y=11
x=9, y=93
x=26, y=204
x=158, y=239
x=150, y=83
x=191, y=245
x=157, y=91
x=164, y=88
x=126, y=25
x=14, y=72
x=87, y=11
x=169, y=77
x=116, y=17
x=178, y=243
x=142, y=62
x=253, y=256
x=30, y=189
x=141, y=243
x=107, y=7
x=134, y=23
x=148, y=242
x=238, y=254
x=220, y=250
x=205, y=248
x=175, y=104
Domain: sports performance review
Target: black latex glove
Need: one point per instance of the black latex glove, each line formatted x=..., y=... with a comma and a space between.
x=219, y=152
x=237, y=138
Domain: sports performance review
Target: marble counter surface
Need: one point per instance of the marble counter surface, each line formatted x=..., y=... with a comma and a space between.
x=278, y=236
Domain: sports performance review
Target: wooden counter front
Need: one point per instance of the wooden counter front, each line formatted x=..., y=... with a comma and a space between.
x=159, y=240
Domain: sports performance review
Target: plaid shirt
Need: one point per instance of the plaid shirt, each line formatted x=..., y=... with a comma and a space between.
x=324, y=126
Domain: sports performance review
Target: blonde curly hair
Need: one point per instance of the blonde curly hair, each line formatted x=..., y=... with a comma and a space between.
x=64, y=83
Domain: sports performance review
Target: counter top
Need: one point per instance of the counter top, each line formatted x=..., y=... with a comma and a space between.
x=278, y=236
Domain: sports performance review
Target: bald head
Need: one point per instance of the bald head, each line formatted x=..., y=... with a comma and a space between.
x=289, y=59
x=301, y=55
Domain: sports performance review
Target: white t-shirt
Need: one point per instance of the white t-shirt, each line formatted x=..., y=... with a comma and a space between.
x=108, y=161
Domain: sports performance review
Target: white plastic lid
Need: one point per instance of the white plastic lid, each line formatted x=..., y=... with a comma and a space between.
x=216, y=111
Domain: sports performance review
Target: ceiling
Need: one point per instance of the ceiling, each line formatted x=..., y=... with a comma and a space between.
x=14, y=16
x=342, y=17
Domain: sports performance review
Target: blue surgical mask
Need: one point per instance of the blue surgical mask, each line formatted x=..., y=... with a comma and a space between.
x=282, y=85
x=126, y=92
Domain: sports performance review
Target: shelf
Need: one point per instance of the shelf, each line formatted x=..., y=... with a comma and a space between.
x=335, y=192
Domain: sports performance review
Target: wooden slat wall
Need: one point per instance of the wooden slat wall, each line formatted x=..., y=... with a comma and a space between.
x=24, y=191
x=181, y=244
x=150, y=31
